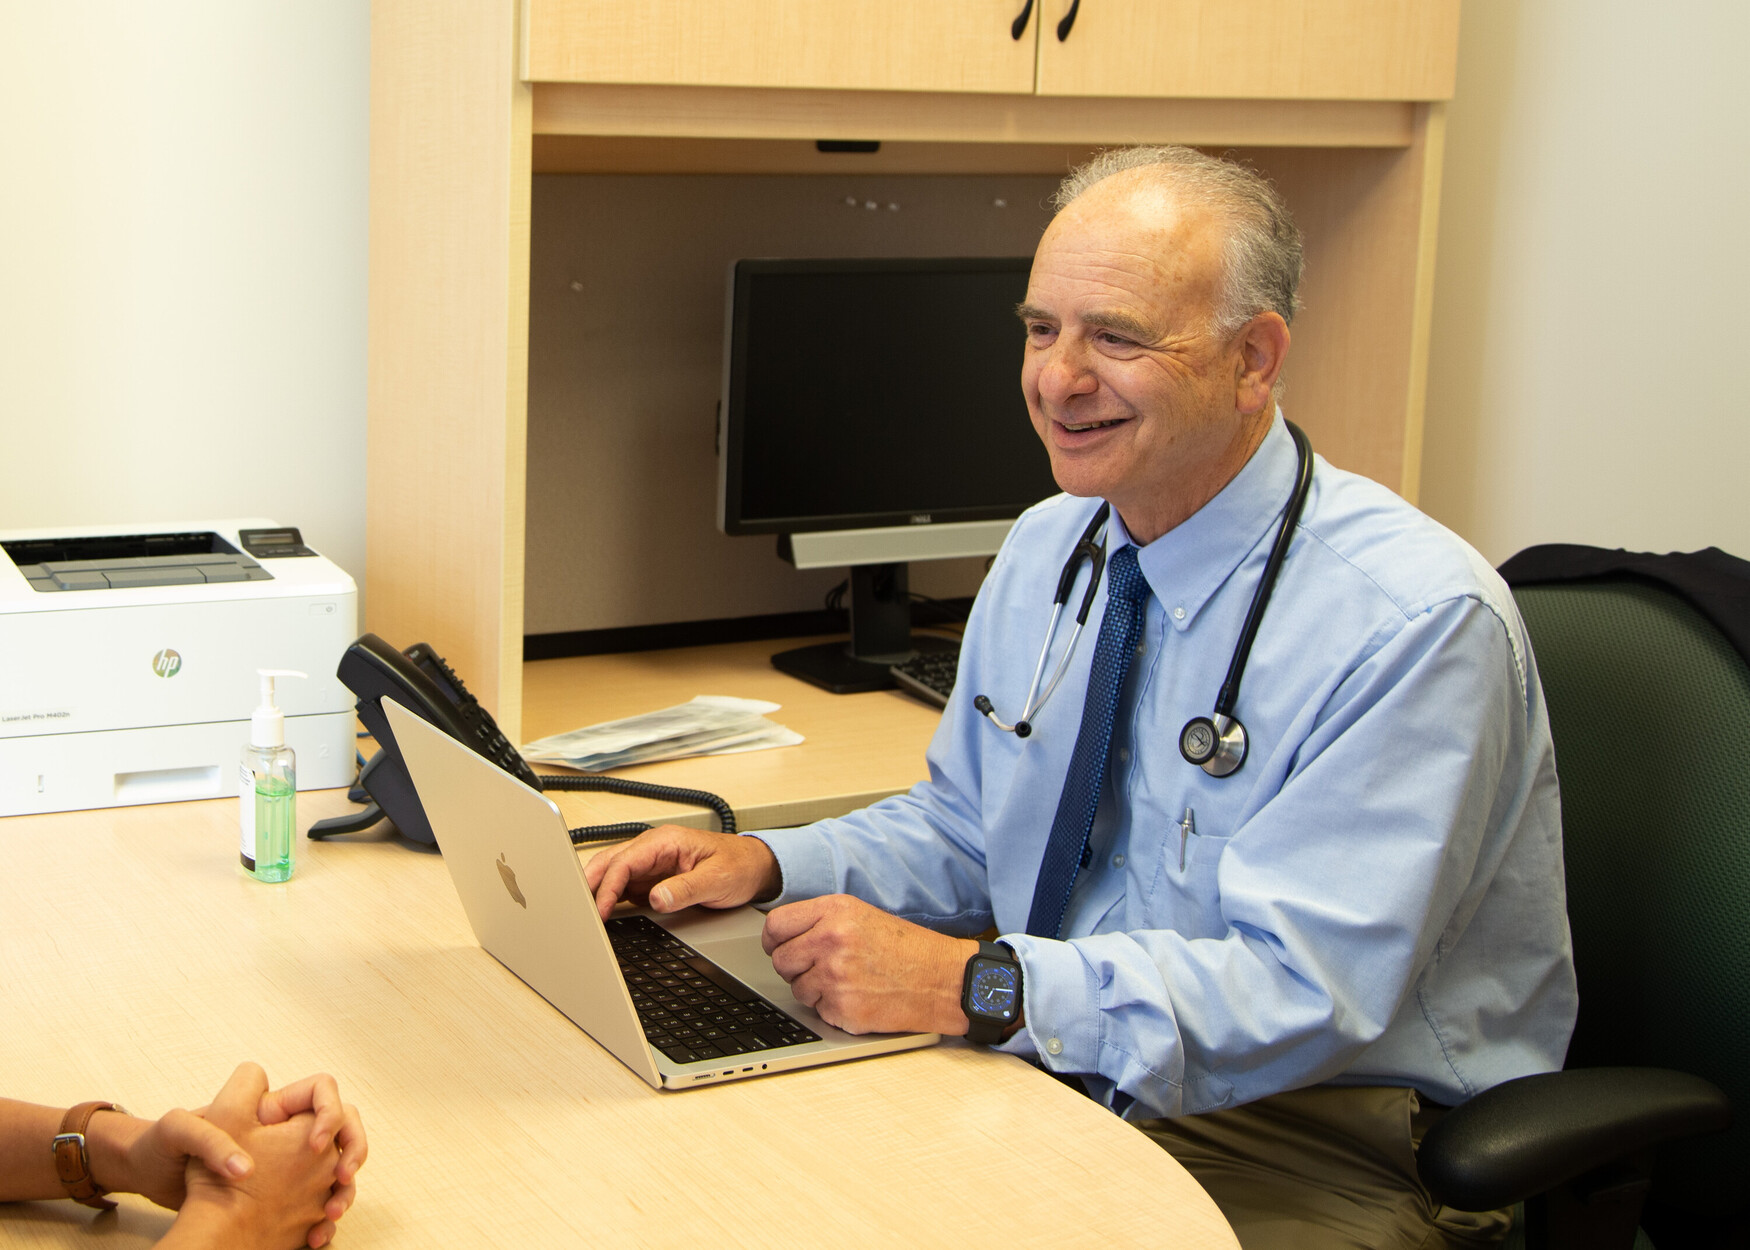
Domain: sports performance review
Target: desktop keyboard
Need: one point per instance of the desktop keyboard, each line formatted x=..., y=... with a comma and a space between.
x=690, y=1008
x=929, y=675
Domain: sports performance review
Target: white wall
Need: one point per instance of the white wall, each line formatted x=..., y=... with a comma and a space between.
x=182, y=264
x=1592, y=301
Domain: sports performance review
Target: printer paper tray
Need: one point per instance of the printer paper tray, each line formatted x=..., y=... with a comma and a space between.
x=163, y=764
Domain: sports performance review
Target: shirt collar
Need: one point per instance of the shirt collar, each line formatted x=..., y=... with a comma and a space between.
x=1190, y=562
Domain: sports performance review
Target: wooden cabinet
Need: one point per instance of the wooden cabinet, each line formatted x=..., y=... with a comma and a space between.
x=1195, y=49
x=1250, y=49
x=865, y=45
x=1337, y=100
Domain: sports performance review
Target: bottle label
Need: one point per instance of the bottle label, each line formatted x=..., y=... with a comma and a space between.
x=246, y=815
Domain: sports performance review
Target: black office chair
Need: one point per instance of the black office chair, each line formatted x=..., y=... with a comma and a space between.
x=1649, y=706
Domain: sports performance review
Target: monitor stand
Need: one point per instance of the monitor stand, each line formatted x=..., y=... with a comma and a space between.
x=880, y=636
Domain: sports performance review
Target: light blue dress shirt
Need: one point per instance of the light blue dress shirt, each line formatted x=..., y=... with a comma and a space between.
x=1376, y=897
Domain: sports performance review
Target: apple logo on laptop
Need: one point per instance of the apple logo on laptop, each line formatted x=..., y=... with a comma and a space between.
x=509, y=875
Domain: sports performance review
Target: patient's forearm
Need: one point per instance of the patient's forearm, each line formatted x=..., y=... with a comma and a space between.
x=27, y=1169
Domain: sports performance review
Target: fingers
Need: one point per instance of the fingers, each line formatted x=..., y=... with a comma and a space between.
x=354, y=1149
x=867, y=971
x=598, y=865
x=318, y=1093
x=611, y=887
x=675, y=867
x=651, y=854
x=241, y=1097
x=334, y=1121
x=728, y=871
x=340, y=1201
x=186, y=1133
x=791, y=921
x=291, y=1196
x=805, y=991
x=708, y=885
x=789, y=938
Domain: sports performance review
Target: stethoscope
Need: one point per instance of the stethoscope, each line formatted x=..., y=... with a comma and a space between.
x=1216, y=743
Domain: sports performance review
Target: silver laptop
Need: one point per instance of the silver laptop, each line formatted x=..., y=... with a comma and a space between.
x=713, y=1007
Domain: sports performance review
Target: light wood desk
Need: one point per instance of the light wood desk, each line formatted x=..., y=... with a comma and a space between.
x=139, y=964
x=859, y=747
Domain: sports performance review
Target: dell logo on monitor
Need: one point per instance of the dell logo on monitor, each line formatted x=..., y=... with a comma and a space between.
x=167, y=663
x=920, y=518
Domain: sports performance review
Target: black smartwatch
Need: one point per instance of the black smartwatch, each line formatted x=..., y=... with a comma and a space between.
x=990, y=995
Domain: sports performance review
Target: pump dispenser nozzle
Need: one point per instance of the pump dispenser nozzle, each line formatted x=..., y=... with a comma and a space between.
x=267, y=728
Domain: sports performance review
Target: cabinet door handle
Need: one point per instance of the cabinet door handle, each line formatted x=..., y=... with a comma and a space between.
x=1019, y=27
x=1069, y=20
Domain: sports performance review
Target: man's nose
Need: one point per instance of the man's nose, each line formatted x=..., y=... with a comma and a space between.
x=1064, y=373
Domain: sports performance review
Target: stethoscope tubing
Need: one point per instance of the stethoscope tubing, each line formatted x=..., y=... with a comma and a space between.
x=1090, y=547
x=1230, y=686
x=1216, y=743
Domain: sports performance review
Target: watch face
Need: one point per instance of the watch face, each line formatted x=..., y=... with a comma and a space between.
x=992, y=991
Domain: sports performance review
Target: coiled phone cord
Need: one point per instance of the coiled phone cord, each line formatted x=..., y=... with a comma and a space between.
x=638, y=790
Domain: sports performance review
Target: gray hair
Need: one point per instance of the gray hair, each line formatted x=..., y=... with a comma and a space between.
x=1261, y=258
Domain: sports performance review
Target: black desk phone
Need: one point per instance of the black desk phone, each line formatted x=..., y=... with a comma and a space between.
x=420, y=681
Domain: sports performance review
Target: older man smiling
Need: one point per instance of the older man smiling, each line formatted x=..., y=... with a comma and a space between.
x=1284, y=968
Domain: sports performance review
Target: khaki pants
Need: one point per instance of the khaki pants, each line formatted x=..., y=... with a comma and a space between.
x=1323, y=1168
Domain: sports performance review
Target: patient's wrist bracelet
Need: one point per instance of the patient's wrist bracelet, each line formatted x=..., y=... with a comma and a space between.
x=73, y=1159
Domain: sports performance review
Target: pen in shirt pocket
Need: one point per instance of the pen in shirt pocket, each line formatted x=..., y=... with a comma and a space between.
x=1187, y=827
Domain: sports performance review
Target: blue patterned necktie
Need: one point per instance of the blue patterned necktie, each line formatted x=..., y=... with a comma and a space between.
x=1127, y=594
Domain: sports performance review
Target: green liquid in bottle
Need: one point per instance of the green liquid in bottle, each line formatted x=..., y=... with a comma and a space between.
x=275, y=816
x=267, y=809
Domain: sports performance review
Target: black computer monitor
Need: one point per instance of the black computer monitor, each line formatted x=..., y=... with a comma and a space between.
x=873, y=415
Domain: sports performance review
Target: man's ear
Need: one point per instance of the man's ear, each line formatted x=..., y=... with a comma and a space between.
x=1262, y=346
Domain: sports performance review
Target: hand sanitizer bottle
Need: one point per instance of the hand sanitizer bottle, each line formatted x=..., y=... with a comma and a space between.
x=268, y=790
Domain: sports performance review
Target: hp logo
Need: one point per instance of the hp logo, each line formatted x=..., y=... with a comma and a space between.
x=167, y=663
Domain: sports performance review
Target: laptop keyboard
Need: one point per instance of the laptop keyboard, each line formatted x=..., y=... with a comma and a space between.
x=690, y=1008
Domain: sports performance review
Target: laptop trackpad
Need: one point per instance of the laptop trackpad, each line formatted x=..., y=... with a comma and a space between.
x=748, y=964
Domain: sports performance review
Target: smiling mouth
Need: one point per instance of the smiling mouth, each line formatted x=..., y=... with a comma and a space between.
x=1090, y=425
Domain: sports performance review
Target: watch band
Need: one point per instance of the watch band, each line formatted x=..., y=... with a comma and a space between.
x=73, y=1160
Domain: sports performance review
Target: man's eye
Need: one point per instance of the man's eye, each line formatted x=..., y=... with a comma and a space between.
x=1039, y=330
x=1114, y=340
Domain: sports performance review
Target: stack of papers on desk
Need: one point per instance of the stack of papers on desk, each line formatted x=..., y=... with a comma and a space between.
x=709, y=725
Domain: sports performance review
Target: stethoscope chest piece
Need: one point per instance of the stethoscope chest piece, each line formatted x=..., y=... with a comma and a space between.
x=1215, y=744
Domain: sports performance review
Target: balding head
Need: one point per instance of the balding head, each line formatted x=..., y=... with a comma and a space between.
x=1261, y=251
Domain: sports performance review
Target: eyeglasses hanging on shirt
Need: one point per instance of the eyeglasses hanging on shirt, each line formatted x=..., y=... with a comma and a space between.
x=1216, y=743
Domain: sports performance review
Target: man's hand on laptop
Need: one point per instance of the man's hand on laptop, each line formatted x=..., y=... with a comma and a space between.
x=866, y=971
x=673, y=867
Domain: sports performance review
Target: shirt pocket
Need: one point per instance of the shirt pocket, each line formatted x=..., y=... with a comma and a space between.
x=1186, y=899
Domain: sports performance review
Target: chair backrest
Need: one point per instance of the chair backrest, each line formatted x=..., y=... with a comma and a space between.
x=1649, y=706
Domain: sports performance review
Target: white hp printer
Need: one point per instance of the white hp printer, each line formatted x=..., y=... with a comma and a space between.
x=128, y=661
